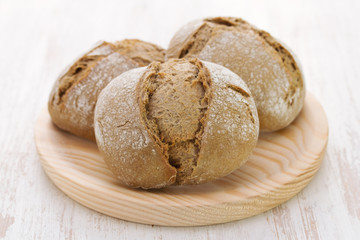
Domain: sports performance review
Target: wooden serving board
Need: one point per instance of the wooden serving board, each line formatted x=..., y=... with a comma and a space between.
x=282, y=164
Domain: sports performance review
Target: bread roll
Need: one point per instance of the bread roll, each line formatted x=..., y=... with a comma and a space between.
x=267, y=67
x=72, y=100
x=183, y=121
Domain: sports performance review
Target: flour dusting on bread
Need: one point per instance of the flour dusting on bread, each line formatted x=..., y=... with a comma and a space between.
x=267, y=67
x=74, y=95
x=184, y=121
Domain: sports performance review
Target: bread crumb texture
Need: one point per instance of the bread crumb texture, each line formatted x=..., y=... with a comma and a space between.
x=267, y=67
x=74, y=95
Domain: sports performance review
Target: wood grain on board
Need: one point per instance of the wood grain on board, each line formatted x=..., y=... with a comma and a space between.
x=39, y=38
x=282, y=164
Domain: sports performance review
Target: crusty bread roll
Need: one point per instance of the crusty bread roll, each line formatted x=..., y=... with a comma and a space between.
x=184, y=121
x=267, y=67
x=73, y=97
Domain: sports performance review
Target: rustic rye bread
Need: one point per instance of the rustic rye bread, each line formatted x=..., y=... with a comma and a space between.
x=72, y=100
x=268, y=68
x=184, y=121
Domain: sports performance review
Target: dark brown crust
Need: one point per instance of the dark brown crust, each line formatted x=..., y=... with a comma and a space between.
x=145, y=89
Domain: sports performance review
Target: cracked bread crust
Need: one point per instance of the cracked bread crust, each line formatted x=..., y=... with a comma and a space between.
x=184, y=121
x=173, y=99
x=268, y=68
x=125, y=144
x=74, y=95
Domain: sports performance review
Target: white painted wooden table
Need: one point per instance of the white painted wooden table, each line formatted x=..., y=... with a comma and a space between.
x=37, y=40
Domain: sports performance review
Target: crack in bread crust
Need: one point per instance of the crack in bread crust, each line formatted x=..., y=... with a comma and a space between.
x=226, y=21
x=239, y=90
x=78, y=72
x=137, y=51
x=295, y=81
x=75, y=74
x=173, y=100
x=197, y=41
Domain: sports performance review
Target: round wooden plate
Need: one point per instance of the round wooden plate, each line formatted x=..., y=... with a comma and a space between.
x=282, y=164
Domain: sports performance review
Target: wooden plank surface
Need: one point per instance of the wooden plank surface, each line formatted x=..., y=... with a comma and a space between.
x=39, y=38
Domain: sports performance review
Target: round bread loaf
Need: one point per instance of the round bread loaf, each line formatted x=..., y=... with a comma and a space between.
x=266, y=66
x=183, y=121
x=72, y=100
